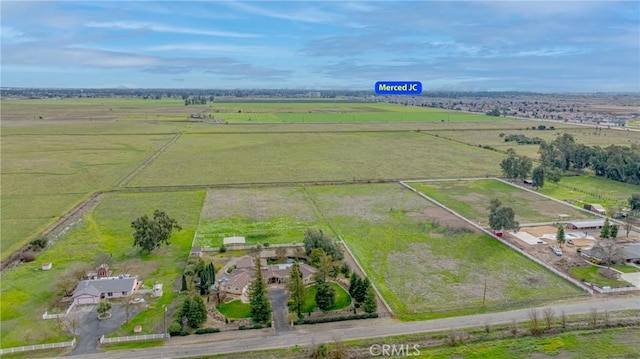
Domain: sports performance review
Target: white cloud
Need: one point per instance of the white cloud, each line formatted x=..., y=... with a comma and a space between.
x=308, y=15
x=135, y=25
x=227, y=49
x=10, y=35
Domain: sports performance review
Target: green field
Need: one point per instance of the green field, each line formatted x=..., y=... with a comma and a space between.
x=590, y=274
x=283, y=157
x=235, y=309
x=591, y=189
x=258, y=214
x=27, y=291
x=413, y=250
x=471, y=200
x=342, y=298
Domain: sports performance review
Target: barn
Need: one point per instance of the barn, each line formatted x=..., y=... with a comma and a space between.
x=586, y=224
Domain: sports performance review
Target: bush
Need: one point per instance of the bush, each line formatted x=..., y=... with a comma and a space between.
x=265, y=244
x=247, y=327
x=39, y=243
x=175, y=328
x=207, y=330
x=222, y=249
x=338, y=319
x=28, y=256
x=184, y=333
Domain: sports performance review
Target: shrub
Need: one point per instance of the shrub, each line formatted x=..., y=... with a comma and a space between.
x=39, y=243
x=175, y=328
x=184, y=333
x=28, y=256
x=207, y=330
x=222, y=249
x=338, y=319
x=247, y=327
x=265, y=244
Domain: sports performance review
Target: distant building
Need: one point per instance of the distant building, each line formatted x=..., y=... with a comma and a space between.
x=595, y=208
x=586, y=225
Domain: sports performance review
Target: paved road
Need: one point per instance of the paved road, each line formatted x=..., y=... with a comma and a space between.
x=278, y=298
x=305, y=335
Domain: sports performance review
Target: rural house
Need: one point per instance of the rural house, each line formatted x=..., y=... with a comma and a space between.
x=91, y=291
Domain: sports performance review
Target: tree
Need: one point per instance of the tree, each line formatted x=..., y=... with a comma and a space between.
x=516, y=166
x=260, y=306
x=325, y=296
x=560, y=236
x=316, y=256
x=184, y=286
x=553, y=175
x=103, y=307
x=608, y=251
x=628, y=223
x=103, y=258
x=606, y=229
x=354, y=282
x=296, y=288
x=197, y=313
x=150, y=234
x=361, y=290
x=325, y=267
x=537, y=178
x=501, y=218
x=316, y=238
x=634, y=202
x=613, y=231
x=370, y=304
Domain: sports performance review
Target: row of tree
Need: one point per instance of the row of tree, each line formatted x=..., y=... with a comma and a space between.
x=619, y=163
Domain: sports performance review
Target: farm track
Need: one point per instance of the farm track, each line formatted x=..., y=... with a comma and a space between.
x=63, y=223
x=131, y=175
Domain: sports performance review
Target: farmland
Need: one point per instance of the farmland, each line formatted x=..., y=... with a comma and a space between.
x=414, y=251
x=471, y=199
x=27, y=292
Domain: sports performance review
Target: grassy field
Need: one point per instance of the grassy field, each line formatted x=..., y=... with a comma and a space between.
x=235, y=158
x=258, y=214
x=591, y=189
x=45, y=176
x=412, y=250
x=27, y=291
x=235, y=309
x=471, y=199
x=587, y=135
x=342, y=299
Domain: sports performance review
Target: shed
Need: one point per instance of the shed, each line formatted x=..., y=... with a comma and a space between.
x=47, y=266
x=233, y=241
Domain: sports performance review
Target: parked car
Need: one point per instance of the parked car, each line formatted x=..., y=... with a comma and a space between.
x=556, y=250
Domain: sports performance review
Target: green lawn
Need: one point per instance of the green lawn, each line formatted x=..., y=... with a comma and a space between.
x=625, y=268
x=590, y=274
x=471, y=199
x=27, y=291
x=342, y=299
x=235, y=309
x=408, y=257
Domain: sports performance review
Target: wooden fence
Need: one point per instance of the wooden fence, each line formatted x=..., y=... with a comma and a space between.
x=133, y=338
x=38, y=347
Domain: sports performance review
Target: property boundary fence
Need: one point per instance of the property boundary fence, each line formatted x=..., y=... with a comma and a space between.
x=614, y=290
x=46, y=315
x=133, y=338
x=529, y=256
x=38, y=347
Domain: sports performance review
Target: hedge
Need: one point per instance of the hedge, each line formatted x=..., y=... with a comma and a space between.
x=207, y=330
x=338, y=319
x=255, y=326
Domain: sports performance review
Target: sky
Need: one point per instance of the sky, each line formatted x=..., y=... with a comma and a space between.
x=570, y=46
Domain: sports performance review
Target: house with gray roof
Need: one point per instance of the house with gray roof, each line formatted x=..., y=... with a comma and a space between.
x=92, y=291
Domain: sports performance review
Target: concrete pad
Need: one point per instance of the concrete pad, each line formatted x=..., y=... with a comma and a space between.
x=529, y=239
x=633, y=278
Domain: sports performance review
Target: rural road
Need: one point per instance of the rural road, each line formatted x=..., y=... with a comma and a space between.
x=305, y=335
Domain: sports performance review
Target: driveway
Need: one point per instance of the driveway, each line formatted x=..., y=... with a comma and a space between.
x=90, y=329
x=278, y=298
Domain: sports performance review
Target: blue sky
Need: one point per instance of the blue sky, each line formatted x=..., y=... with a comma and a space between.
x=569, y=46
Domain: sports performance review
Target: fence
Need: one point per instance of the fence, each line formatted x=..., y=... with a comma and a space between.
x=38, y=347
x=46, y=315
x=614, y=290
x=133, y=338
x=548, y=267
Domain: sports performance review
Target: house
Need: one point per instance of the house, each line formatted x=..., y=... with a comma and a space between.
x=237, y=281
x=631, y=252
x=586, y=224
x=595, y=208
x=91, y=291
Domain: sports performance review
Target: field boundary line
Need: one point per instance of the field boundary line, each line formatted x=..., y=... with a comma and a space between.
x=355, y=260
x=123, y=182
x=518, y=250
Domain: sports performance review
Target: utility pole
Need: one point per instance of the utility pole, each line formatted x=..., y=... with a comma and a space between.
x=164, y=320
x=484, y=293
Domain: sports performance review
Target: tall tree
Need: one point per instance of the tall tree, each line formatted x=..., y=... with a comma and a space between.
x=560, y=236
x=370, y=304
x=361, y=290
x=325, y=296
x=613, y=231
x=606, y=229
x=501, y=218
x=316, y=238
x=354, y=282
x=260, y=306
x=634, y=202
x=150, y=234
x=537, y=178
x=608, y=250
x=553, y=175
x=197, y=313
x=296, y=288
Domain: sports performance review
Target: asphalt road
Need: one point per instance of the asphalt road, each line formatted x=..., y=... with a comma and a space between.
x=304, y=335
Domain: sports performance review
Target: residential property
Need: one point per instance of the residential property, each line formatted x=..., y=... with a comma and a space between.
x=586, y=224
x=237, y=281
x=91, y=291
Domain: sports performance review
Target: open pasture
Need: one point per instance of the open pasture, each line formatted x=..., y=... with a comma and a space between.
x=471, y=199
x=45, y=176
x=592, y=189
x=427, y=263
x=282, y=157
x=27, y=291
x=261, y=215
